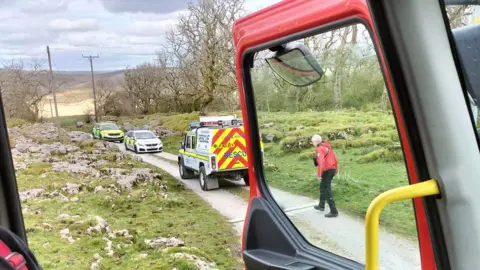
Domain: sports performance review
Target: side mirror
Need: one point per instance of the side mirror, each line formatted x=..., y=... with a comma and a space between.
x=294, y=63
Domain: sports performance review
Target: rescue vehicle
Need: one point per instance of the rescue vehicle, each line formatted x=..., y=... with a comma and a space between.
x=143, y=141
x=214, y=148
x=108, y=131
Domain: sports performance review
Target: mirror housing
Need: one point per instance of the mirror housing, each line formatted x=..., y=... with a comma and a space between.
x=294, y=63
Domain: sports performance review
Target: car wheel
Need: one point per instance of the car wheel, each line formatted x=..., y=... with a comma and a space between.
x=185, y=173
x=202, y=179
x=136, y=150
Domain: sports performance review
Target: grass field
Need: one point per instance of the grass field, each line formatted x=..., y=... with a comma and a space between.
x=366, y=143
x=160, y=209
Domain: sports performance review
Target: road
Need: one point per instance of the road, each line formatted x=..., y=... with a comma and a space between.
x=343, y=235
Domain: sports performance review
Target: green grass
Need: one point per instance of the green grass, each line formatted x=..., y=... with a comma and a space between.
x=148, y=212
x=366, y=143
x=367, y=146
x=354, y=187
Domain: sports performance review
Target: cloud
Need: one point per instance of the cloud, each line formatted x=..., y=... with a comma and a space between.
x=148, y=6
x=150, y=27
x=123, y=32
x=65, y=25
x=44, y=6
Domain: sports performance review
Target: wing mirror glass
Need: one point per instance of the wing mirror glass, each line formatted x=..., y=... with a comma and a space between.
x=294, y=63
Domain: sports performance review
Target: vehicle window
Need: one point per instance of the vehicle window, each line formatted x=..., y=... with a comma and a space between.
x=145, y=135
x=109, y=127
x=129, y=134
x=189, y=142
x=331, y=107
x=465, y=28
x=194, y=142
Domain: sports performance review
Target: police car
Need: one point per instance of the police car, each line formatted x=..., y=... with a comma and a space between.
x=214, y=148
x=108, y=131
x=143, y=141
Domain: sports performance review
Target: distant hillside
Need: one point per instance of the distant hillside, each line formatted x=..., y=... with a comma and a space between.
x=74, y=79
x=83, y=79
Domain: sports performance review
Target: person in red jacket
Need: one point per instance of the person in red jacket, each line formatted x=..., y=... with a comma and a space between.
x=327, y=166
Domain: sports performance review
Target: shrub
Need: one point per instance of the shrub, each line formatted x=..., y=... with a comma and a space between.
x=385, y=154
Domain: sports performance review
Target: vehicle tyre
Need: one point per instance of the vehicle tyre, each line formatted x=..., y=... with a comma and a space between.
x=246, y=179
x=202, y=179
x=136, y=150
x=125, y=144
x=185, y=173
x=121, y=141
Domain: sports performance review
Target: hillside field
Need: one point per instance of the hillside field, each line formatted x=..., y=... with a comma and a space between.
x=366, y=143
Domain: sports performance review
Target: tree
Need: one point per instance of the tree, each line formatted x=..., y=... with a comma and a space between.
x=106, y=88
x=207, y=34
x=24, y=87
x=143, y=85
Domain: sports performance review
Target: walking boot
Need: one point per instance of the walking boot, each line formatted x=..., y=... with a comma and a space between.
x=317, y=207
x=331, y=215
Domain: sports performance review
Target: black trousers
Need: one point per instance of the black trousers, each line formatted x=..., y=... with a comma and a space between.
x=326, y=190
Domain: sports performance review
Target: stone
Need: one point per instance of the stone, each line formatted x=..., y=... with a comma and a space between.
x=71, y=188
x=194, y=259
x=62, y=150
x=164, y=242
x=31, y=193
x=270, y=137
x=99, y=145
x=79, y=124
x=98, y=189
x=79, y=136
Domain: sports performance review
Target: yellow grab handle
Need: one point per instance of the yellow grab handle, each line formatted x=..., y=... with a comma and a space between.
x=372, y=218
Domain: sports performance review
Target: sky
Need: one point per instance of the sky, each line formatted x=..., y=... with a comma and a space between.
x=122, y=32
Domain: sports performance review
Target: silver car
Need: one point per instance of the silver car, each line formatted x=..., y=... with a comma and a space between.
x=143, y=141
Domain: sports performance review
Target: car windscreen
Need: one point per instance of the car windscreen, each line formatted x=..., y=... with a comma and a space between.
x=109, y=127
x=145, y=135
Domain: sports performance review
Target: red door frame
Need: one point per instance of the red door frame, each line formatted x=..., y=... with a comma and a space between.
x=292, y=16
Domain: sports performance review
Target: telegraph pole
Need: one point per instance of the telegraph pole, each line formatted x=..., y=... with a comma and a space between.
x=52, y=90
x=90, y=58
x=51, y=108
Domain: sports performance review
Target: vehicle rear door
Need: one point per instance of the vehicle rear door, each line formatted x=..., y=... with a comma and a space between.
x=11, y=216
x=277, y=234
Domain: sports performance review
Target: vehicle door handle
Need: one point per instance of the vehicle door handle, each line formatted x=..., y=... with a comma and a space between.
x=262, y=259
x=372, y=218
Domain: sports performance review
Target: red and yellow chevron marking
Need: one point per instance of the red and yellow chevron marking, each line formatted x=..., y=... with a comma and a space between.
x=230, y=147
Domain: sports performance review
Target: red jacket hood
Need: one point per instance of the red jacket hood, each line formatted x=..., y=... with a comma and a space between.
x=326, y=144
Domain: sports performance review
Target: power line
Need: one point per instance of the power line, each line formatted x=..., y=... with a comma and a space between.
x=90, y=58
